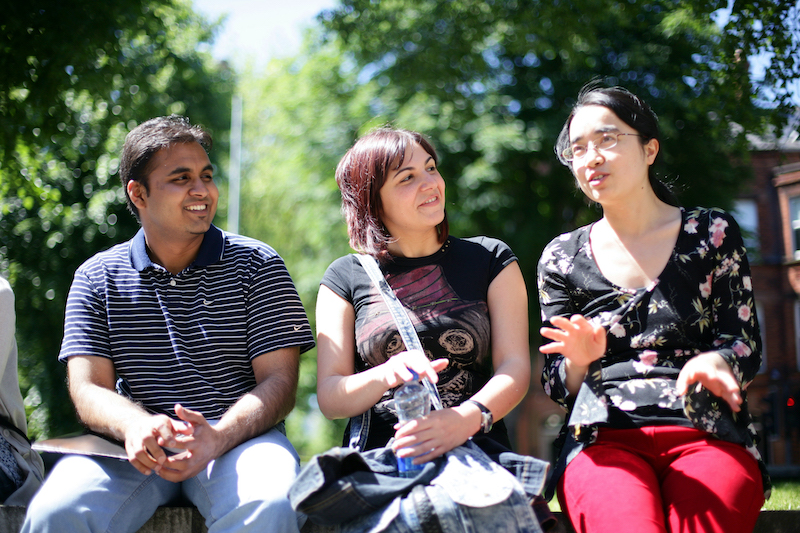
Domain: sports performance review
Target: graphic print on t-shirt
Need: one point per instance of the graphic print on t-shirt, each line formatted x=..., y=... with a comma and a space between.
x=447, y=326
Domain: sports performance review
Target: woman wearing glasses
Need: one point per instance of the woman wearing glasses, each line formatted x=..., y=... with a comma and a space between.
x=651, y=315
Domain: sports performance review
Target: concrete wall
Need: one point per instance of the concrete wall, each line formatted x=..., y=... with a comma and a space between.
x=189, y=520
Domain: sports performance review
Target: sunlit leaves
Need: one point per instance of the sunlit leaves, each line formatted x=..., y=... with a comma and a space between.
x=77, y=76
x=300, y=116
x=492, y=83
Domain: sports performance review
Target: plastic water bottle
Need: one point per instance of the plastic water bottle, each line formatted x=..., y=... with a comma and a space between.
x=411, y=401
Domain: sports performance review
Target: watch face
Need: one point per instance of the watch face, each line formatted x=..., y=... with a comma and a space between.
x=486, y=417
x=486, y=422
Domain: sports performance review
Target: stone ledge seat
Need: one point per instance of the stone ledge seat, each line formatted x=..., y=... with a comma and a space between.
x=189, y=520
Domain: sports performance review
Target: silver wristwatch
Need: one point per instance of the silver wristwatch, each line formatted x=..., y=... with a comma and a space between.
x=486, y=416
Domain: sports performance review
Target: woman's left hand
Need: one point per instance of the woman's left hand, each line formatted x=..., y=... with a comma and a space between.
x=711, y=371
x=435, y=434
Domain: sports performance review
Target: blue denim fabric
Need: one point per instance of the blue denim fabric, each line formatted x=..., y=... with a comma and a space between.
x=530, y=472
x=239, y=492
x=513, y=515
x=359, y=430
x=466, y=491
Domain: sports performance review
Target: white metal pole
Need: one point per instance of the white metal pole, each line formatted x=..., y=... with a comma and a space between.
x=235, y=164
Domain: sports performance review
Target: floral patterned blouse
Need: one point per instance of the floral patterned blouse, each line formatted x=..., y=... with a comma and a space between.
x=702, y=301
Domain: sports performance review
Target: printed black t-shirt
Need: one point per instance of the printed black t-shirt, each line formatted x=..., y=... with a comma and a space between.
x=445, y=295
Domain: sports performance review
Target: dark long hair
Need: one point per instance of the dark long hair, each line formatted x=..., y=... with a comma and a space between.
x=360, y=175
x=631, y=110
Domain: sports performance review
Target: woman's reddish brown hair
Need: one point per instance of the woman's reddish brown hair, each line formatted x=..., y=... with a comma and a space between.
x=360, y=175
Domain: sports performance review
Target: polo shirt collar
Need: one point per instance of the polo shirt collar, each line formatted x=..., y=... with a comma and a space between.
x=210, y=250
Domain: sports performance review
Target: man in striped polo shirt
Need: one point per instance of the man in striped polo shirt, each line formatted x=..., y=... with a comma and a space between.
x=184, y=344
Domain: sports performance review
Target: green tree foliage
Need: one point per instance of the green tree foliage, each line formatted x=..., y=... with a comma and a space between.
x=75, y=77
x=492, y=82
x=300, y=115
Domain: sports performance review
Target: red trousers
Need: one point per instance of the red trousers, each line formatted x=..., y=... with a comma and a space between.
x=661, y=479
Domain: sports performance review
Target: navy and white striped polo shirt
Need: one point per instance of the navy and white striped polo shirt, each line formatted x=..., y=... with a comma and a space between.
x=187, y=338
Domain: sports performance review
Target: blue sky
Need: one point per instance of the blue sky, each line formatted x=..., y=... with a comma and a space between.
x=260, y=29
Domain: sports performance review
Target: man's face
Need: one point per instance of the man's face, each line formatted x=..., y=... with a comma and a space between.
x=182, y=197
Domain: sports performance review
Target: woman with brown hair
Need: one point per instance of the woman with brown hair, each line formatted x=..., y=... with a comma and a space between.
x=466, y=299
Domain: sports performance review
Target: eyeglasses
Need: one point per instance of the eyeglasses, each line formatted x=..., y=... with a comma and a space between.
x=606, y=141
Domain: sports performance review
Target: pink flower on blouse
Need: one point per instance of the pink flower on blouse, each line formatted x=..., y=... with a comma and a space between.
x=717, y=230
x=617, y=330
x=648, y=357
x=705, y=288
x=744, y=313
x=747, y=282
x=647, y=360
x=741, y=348
x=690, y=226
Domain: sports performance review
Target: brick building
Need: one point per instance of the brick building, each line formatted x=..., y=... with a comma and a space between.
x=770, y=211
x=769, y=214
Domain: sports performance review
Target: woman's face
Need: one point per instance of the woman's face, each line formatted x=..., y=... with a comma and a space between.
x=412, y=197
x=608, y=175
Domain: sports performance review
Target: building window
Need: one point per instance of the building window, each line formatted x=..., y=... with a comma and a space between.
x=745, y=211
x=794, y=215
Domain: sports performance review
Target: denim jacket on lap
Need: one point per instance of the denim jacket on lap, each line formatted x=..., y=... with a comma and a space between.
x=361, y=491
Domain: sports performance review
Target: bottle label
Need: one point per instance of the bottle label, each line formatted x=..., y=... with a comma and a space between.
x=406, y=468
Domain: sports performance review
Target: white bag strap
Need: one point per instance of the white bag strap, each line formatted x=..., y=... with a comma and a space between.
x=404, y=325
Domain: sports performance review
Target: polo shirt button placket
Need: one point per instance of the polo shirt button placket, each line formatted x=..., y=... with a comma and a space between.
x=172, y=282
